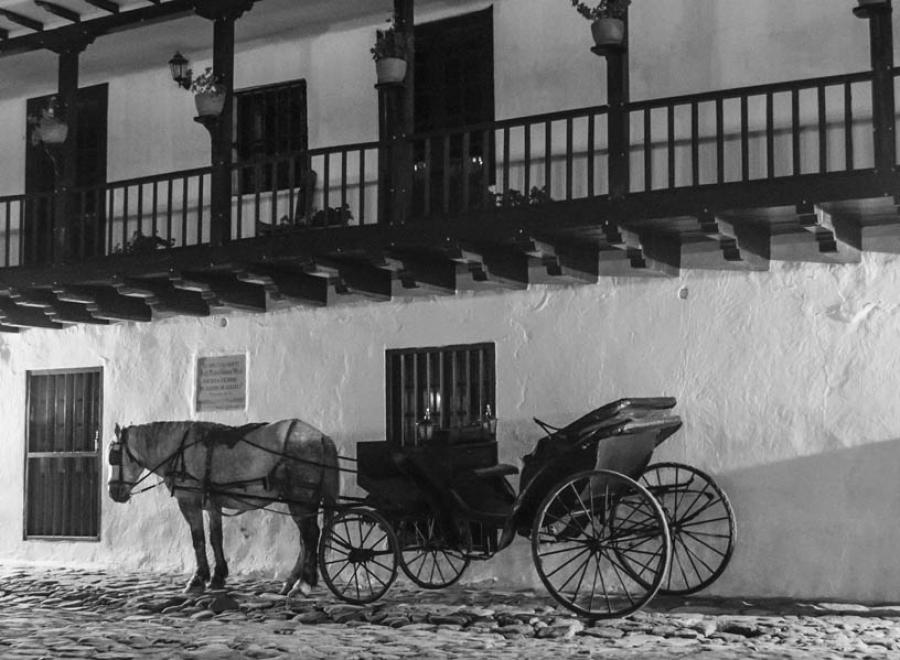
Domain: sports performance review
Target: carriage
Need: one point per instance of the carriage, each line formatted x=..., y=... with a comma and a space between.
x=608, y=530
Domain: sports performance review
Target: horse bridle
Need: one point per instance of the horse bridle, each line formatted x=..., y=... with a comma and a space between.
x=115, y=458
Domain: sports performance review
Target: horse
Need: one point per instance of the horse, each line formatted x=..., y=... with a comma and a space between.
x=212, y=467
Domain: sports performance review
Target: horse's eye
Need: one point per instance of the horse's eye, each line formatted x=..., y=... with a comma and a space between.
x=115, y=454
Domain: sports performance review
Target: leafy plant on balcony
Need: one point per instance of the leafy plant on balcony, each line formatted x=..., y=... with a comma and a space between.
x=142, y=244
x=512, y=197
x=332, y=217
x=603, y=9
x=390, y=42
x=208, y=83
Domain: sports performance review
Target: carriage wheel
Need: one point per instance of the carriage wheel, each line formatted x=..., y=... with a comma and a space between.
x=701, y=523
x=428, y=557
x=584, y=527
x=358, y=555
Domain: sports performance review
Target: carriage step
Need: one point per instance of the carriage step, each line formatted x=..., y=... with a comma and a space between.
x=501, y=470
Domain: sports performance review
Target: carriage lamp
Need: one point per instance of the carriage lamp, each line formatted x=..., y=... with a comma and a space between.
x=425, y=427
x=180, y=68
x=488, y=421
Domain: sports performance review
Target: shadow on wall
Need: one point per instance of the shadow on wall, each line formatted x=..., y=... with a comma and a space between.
x=824, y=526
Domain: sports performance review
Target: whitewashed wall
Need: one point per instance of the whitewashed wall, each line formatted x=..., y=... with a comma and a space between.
x=786, y=379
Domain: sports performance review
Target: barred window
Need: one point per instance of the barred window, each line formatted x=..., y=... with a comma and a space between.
x=63, y=464
x=454, y=384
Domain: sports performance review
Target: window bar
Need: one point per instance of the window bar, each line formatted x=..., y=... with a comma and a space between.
x=466, y=169
x=8, y=233
x=273, y=216
x=362, y=186
x=770, y=135
x=140, y=208
x=648, y=151
x=670, y=121
x=343, y=178
x=487, y=166
x=548, y=157
x=467, y=383
x=695, y=143
x=200, y=201
x=239, y=210
x=720, y=140
x=426, y=178
x=482, y=395
x=97, y=234
x=527, y=184
x=823, y=131
x=445, y=207
x=155, y=206
x=427, y=391
x=848, y=125
x=292, y=184
x=82, y=214
x=326, y=182
x=257, y=193
x=454, y=381
x=399, y=364
x=169, y=186
x=416, y=414
x=795, y=131
x=184, y=210
x=570, y=147
x=592, y=152
x=441, y=420
x=506, y=163
x=745, y=140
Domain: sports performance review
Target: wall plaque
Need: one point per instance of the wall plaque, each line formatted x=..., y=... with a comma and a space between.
x=221, y=383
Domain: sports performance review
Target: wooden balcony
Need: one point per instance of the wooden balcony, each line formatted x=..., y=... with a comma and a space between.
x=732, y=179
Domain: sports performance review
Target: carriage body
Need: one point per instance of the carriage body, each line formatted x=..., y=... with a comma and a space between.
x=588, y=498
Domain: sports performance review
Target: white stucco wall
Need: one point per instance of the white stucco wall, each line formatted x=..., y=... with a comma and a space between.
x=785, y=381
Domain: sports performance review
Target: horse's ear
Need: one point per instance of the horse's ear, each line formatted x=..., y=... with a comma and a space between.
x=118, y=430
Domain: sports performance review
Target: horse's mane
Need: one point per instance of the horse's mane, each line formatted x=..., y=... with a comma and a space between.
x=156, y=440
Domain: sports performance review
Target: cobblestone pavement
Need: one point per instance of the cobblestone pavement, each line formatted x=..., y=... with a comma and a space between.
x=68, y=613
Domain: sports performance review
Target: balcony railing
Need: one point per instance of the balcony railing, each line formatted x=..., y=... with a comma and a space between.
x=820, y=126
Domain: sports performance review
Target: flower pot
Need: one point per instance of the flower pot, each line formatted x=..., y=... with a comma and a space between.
x=52, y=131
x=608, y=31
x=390, y=70
x=209, y=104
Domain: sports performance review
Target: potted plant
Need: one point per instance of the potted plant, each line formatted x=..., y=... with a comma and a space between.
x=607, y=16
x=209, y=93
x=48, y=128
x=390, y=52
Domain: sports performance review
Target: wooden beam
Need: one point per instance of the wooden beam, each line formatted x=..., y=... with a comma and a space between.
x=290, y=281
x=4, y=34
x=9, y=329
x=57, y=10
x=106, y=303
x=105, y=5
x=18, y=316
x=226, y=287
x=24, y=21
x=357, y=276
x=56, y=309
x=162, y=296
x=429, y=269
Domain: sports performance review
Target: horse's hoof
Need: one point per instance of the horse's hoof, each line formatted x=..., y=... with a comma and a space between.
x=195, y=587
x=300, y=588
x=285, y=589
x=216, y=584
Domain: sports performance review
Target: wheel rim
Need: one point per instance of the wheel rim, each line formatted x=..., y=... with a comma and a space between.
x=701, y=523
x=358, y=556
x=427, y=557
x=583, y=528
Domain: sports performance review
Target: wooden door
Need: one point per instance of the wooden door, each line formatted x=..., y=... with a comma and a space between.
x=88, y=223
x=62, y=463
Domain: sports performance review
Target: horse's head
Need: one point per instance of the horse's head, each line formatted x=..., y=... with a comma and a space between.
x=124, y=470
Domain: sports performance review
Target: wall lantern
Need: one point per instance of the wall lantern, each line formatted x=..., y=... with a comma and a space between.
x=489, y=422
x=425, y=428
x=181, y=71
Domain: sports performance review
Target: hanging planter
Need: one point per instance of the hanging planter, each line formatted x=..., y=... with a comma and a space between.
x=390, y=52
x=390, y=70
x=209, y=94
x=608, y=31
x=607, y=20
x=51, y=130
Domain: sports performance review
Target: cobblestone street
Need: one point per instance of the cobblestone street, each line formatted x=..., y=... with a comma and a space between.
x=67, y=613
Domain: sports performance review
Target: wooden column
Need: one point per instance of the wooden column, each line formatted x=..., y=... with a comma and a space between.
x=224, y=14
x=396, y=122
x=881, y=47
x=617, y=98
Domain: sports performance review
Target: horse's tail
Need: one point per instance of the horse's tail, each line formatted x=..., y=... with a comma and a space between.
x=331, y=477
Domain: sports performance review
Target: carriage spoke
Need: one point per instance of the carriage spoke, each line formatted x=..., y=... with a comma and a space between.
x=574, y=558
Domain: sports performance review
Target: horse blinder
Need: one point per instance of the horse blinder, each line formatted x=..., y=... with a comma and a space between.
x=115, y=454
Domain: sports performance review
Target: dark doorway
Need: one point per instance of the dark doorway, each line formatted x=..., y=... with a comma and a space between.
x=454, y=87
x=88, y=222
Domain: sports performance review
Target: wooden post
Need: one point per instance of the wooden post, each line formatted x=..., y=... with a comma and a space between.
x=617, y=98
x=396, y=123
x=221, y=133
x=881, y=47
